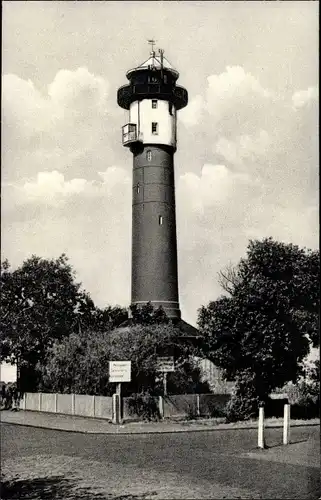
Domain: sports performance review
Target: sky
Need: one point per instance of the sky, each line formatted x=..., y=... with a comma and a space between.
x=247, y=160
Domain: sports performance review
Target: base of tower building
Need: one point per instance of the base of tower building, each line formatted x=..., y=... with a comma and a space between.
x=188, y=332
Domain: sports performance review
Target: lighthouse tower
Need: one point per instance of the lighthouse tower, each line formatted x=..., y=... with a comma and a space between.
x=152, y=99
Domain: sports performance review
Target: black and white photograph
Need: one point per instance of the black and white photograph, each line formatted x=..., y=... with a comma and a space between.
x=160, y=262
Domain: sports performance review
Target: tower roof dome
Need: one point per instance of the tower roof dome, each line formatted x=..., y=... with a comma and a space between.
x=154, y=62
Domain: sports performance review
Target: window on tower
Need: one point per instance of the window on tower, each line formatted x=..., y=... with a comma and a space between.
x=154, y=103
x=154, y=128
x=149, y=155
x=138, y=188
x=160, y=220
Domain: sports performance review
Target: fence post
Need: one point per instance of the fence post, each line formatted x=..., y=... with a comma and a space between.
x=73, y=409
x=56, y=402
x=260, y=441
x=94, y=406
x=39, y=402
x=286, y=424
x=198, y=410
x=161, y=406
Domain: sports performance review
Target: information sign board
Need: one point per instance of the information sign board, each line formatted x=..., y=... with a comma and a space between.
x=166, y=364
x=119, y=371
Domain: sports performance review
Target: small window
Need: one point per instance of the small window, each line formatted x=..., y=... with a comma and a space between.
x=149, y=155
x=154, y=128
x=154, y=103
x=138, y=188
x=160, y=220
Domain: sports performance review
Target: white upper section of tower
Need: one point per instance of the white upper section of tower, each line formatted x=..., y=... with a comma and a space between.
x=155, y=121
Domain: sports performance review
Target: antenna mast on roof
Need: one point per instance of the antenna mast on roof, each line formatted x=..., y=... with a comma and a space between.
x=161, y=53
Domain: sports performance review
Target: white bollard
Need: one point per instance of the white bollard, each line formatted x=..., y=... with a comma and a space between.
x=286, y=424
x=260, y=440
x=116, y=409
x=161, y=406
x=198, y=409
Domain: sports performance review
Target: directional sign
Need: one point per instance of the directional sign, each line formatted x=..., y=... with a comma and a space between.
x=119, y=371
x=166, y=364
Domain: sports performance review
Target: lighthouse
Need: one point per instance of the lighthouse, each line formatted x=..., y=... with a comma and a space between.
x=153, y=99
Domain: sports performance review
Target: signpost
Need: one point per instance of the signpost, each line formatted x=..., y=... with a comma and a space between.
x=119, y=371
x=165, y=364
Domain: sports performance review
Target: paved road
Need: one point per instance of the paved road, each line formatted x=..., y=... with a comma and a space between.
x=219, y=464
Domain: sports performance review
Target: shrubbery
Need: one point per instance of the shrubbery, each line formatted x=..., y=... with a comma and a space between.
x=144, y=405
x=9, y=397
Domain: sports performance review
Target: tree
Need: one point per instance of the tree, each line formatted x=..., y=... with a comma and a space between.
x=40, y=303
x=229, y=279
x=80, y=362
x=77, y=364
x=147, y=315
x=261, y=333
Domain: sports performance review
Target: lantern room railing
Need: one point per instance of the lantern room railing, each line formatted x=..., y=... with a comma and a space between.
x=175, y=94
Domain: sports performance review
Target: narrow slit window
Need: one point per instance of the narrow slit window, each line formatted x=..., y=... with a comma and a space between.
x=154, y=103
x=154, y=128
x=138, y=188
x=160, y=220
x=149, y=155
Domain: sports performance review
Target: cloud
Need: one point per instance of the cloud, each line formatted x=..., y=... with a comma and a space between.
x=80, y=90
x=57, y=128
x=49, y=185
x=232, y=86
x=51, y=188
x=243, y=148
x=304, y=97
x=214, y=186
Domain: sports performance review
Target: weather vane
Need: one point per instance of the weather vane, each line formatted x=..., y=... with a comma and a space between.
x=152, y=43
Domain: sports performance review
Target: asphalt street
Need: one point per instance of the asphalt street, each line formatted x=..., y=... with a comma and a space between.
x=215, y=464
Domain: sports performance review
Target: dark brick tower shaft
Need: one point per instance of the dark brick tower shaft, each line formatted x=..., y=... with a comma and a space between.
x=154, y=247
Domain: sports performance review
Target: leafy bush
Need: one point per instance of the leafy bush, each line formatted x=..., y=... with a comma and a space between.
x=216, y=410
x=191, y=411
x=241, y=408
x=143, y=405
x=245, y=400
x=9, y=397
x=304, y=398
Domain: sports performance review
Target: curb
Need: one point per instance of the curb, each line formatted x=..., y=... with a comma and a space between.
x=176, y=431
